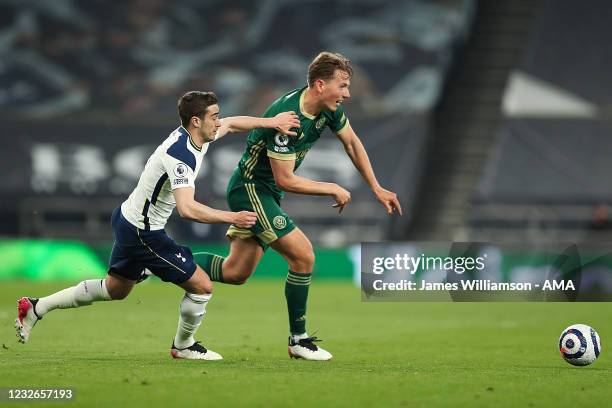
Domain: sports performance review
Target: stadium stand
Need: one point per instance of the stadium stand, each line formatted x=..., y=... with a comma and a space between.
x=466, y=120
x=546, y=175
x=88, y=88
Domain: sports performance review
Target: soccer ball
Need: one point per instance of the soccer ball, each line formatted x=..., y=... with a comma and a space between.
x=579, y=345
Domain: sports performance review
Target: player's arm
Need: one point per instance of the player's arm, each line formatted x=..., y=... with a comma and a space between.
x=286, y=180
x=358, y=155
x=190, y=209
x=283, y=123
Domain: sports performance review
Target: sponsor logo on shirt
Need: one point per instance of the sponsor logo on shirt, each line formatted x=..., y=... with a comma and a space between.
x=180, y=181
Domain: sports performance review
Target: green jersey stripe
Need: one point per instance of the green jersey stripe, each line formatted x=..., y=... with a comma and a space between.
x=255, y=151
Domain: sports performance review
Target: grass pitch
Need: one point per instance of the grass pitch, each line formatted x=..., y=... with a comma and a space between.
x=385, y=354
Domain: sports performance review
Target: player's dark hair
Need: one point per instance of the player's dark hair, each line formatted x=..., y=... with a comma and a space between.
x=325, y=65
x=194, y=103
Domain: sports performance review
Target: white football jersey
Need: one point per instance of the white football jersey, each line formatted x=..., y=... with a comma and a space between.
x=174, y=164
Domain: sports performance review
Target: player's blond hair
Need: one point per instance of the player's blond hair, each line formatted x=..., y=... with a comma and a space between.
x=325, y=65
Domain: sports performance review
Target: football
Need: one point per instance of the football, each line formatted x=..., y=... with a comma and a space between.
x=579, y=345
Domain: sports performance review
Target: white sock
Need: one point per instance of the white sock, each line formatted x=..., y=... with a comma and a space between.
x=192, y=311
x=82, y=294
x=297, y=337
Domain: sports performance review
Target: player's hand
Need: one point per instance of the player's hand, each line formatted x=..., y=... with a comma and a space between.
x=342, y=198
x=244, y=219
x=285, y=121
x=389, y=200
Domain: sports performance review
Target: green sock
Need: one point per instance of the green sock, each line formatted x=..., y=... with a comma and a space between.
x=212, y=265
x=296, y=292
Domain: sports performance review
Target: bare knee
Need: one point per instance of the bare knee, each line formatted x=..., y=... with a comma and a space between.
x=302, y=262
x=236, y=276
x=201, y=287
x=118, y=288
x=118, y=294
x=198, y=284
x=235, y=273
x=235, y=280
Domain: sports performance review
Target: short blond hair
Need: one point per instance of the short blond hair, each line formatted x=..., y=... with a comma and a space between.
x=325, y=65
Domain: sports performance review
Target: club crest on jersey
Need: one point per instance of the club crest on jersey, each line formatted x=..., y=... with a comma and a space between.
x=320, y=123
x=180, y=170
x=279, y=222
x=281, y=140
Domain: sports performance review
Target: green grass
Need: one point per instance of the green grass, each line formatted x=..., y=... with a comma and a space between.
x=385, y=354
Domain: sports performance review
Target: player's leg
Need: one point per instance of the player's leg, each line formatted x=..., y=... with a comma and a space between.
x=30, y=310
x=125, y=270
x=297, y=250
x=245, y=247
x=174, y=263
x=192, y=309
x=242, y=260
x=245, y=254
x=276, y=229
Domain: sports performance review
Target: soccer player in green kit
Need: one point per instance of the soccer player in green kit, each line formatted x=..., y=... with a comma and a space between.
x=266, y=171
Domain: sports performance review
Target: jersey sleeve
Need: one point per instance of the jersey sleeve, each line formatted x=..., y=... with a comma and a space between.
x=280, y=147
x=179, y=174
x=339, y=121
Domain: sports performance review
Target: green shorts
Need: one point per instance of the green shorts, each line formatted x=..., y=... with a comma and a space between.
x=272, y=222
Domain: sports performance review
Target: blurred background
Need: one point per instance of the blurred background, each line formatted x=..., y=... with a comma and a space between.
x=490, y=119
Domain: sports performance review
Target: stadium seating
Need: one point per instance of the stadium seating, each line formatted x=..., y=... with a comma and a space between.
x=547, y=173
x=90, y=87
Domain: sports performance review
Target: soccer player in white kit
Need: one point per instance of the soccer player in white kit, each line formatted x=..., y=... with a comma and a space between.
x=167, y=181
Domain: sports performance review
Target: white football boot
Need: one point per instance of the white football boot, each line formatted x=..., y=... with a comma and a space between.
x=26, y=318
x=195, y=352
x=307, y=349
